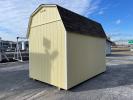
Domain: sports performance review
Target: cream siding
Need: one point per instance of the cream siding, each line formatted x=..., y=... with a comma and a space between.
x=58, y=57
x=86, y=57
x=45, y=15
x=47, y=48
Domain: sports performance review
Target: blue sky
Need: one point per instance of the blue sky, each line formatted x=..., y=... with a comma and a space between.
x=115, y=15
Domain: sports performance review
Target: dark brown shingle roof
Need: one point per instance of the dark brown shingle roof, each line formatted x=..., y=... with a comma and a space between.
x=76, y=23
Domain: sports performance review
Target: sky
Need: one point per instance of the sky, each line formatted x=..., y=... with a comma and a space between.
x=114, y=15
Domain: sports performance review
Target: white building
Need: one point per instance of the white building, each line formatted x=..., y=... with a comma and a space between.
x=0, y=50
x=122, y=43
x=108, y=47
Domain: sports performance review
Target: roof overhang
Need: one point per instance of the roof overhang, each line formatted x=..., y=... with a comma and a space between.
x=109, y=41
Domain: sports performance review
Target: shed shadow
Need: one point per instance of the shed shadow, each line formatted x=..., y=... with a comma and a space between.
x=117, y=75
x=18, y=80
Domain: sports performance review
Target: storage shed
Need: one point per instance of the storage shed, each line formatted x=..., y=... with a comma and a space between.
x=65, y=48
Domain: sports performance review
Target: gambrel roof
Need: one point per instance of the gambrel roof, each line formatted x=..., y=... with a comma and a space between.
x=76, y=23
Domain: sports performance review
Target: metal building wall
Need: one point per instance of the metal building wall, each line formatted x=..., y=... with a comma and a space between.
x=85, y=58
x=0, y=49
x=47, y=47
x=108, y=48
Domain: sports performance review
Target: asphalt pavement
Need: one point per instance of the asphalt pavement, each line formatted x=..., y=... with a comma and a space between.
x=114, y=84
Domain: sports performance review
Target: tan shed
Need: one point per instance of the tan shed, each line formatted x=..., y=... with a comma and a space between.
x=65, y=48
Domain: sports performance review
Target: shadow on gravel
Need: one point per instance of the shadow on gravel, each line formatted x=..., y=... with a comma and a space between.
x=118, y=55
x=120, y=50
x=18, y=80
x=115, y=76
x=13, y=60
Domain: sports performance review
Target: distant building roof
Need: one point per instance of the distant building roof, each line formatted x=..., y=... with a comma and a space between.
x=109, y=41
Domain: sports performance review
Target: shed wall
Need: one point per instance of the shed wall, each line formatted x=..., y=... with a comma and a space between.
x=47, y=50
x=45, y=15
x=86, y=58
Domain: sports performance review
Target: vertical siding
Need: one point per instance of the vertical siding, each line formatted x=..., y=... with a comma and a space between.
x=47, y=48
x=86, y=57
x=45, y=15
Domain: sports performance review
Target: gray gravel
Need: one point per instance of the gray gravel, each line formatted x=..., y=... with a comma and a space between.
x=114, y=84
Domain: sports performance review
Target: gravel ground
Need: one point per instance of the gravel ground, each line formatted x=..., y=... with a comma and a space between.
x=114, y=84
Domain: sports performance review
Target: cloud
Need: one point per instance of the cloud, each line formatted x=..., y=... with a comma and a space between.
x=14, y=14
x=120, y=35
x=100, y=12
x=118, y=21
x=93, y=6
